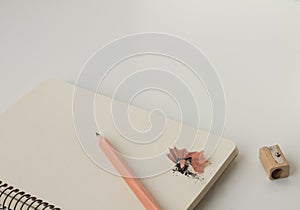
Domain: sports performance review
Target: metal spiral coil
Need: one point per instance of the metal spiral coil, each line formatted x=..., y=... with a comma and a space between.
x=23, y=201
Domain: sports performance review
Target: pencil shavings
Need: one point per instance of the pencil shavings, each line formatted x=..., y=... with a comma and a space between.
x=190, y=164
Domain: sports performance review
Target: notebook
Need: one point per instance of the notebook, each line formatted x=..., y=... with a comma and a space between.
x=42, y=158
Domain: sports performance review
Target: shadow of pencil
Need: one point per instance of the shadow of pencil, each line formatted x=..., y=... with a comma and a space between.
x=209, y=197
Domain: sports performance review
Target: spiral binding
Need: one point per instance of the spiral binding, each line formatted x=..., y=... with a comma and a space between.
x=9, y=194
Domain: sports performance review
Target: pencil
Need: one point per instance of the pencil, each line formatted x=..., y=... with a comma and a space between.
x=134, y=184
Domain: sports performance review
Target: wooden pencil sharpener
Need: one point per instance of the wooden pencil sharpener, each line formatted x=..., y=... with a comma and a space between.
x=274, y=162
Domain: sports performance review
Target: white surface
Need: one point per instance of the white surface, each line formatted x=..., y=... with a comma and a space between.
x=254, y=46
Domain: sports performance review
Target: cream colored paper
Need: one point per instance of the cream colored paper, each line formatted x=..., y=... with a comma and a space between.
x=40, y=154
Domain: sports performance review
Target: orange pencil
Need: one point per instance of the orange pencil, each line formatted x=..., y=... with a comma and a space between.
x=134, y=184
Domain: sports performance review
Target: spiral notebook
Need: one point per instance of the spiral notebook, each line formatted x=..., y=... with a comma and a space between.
x=44, y=167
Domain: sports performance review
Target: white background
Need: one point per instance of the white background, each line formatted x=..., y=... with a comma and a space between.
x=254, y=45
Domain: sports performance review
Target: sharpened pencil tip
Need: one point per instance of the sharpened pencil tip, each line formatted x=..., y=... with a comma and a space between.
x=97, y=134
